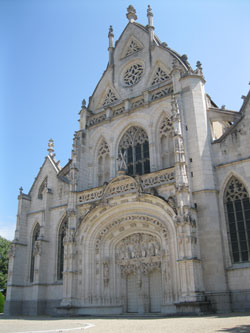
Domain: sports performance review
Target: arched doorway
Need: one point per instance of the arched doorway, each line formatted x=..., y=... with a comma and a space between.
x=140, y=258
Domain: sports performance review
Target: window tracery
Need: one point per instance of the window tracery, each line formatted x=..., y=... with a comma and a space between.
x=134, y=146
x=159, y=76
x=133, y=74
x=132, y=48
x=103, y=163
x=60, y=255
x=237, y=208
x=35, y=236
x=109, y=98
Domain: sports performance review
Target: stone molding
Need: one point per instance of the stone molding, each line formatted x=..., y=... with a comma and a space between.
x=134, y=104
x=125, y=184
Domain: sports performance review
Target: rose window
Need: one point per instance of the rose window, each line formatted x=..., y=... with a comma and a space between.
x=133, y=74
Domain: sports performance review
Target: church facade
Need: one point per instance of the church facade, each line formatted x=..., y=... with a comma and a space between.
x=151, y=214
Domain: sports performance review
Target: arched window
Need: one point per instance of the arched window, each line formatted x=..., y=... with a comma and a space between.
x=35, y=236
x=103, y=163
x=42, y=187
x=134, y=146
x=60, y=255
x=167, y=143
x=237, y=208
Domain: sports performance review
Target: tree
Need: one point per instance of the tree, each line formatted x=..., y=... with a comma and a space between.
x=4, y=250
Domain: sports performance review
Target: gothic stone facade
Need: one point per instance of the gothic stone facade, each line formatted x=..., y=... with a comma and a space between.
x=152, y=212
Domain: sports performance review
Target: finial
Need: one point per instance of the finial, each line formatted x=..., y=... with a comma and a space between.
x=111, y=32
x=21, y=190
x=83, y=103
x=243, y=97
x=131, y=14
x=51, y=147
x=149, y=11
x=223, y=107
x=111, y=45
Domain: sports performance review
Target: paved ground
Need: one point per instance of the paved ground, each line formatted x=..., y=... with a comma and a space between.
x=127, y=324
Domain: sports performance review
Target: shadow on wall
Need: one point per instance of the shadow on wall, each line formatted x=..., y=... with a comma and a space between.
x=240, y=328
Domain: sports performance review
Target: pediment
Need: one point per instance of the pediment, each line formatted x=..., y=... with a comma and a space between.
x=108, y=97
x=132, y=46
x=160, y=74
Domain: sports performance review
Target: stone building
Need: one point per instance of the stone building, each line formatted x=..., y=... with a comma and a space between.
x=152, y=211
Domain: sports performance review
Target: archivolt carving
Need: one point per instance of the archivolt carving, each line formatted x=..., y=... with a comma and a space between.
x=139, y=267
x=139, y=254
x=138, y=246
x=147, y=219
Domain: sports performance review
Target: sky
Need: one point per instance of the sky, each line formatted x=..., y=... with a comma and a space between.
x=53, y=53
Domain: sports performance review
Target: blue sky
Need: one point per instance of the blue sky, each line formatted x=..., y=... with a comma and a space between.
x=53, y=52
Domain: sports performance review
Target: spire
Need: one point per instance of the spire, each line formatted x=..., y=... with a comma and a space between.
x=51, y=147
x=111, y=45
x=131, y=14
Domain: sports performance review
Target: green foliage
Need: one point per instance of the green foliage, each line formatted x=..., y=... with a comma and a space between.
x=4, y=250
x=1, y=302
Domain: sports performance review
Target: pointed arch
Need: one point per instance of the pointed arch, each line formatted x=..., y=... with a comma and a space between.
x=109, y=96
x=237, y=213
x=132, y=46
x=60, y=247
x=103, y=160
x=35, y=236
x=159, y=74
x=134, y=145
x=43, y=185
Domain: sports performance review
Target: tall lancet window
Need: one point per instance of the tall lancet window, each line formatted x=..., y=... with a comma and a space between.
x=237, y=208
x=167, y=143
x=103, y=163
x=35, y=236
x=135, y=148
x=60, y=256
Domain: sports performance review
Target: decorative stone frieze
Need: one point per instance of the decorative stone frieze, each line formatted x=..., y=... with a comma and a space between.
x=126, y=184
x=162, y=93
x=150, y=221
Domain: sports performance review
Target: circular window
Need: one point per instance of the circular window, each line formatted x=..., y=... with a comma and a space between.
x=133, y=74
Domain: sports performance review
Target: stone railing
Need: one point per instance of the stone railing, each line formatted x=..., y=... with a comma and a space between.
x=158, y=178
x=119, y=186
x=96, y=119
x=133, y=104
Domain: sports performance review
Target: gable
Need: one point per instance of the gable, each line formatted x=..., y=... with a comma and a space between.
x=132, y=47
x=160, y=75
x=44, y=178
